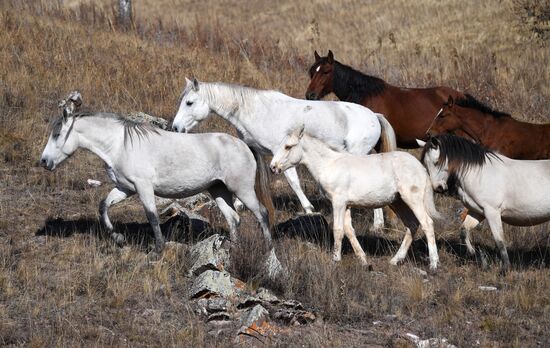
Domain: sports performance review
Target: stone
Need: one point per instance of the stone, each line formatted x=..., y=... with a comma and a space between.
x=209, y=254
x=248, y=301
x=254, y=323
x=94, y=183
x=212, y=283
x=267, y=296
x=487, y=288
x=429, y=343
x=419, y=272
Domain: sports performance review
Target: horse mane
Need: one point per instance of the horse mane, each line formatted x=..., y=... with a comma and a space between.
x=353, y=84
x=470, y=102
x=460, y=154
x=132, y=129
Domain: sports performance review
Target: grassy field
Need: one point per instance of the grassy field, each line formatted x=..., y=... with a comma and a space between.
x=62, y=284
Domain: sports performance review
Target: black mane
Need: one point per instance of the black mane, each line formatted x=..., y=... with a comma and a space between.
x=473, y=103
x=461, y=156
x=351, y=85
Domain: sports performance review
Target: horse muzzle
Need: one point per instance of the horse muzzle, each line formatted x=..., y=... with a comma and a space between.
x=275, y=169
x=49, y=165
x=311, y=95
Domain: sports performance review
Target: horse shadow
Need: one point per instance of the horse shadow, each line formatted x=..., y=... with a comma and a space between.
x=312, y=228
x=179, y=228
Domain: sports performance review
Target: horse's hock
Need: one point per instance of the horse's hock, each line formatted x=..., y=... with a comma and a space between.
x=229, y=306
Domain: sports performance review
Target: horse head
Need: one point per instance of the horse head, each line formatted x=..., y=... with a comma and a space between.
x=321, y=74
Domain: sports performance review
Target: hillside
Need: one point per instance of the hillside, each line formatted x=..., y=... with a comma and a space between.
x=62, y=283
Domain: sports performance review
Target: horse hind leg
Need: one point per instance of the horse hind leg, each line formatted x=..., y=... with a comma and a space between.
x=116, y=195
x=250, y=200
x=415, y=201
x=411, y=226
x=470, y=222
x=223, y=198
x=350, y=233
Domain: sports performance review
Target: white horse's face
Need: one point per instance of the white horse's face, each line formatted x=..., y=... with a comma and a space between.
x=439, y=174
x=62, y=143
x=193, y=108
x=289, y=154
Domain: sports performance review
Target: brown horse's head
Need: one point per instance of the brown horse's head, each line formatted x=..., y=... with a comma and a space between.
x=321, y=77
x=447, y=121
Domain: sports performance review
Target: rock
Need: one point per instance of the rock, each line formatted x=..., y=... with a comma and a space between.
x=219, y=316
x=429, y=343
x=293, y=304
x=420, y=272
x=253, y=323
x=199, y=199
x=209, y=254
x=273, y=267
x=94, y=183
x=248, y=301
x=212, y=283
x=293, y=317
x=142, y=117
x=487, y=288
x=217, y=304
x=267, y=296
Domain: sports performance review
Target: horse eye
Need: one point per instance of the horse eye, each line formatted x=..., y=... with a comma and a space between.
x=55, y=136
x=189, y=103
x=288, y=147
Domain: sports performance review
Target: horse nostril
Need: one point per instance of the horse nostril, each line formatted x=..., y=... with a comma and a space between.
x=310, y=95
x=43, y=162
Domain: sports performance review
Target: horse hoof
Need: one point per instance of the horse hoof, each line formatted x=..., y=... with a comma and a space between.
x=118, y=238
x=394, y=262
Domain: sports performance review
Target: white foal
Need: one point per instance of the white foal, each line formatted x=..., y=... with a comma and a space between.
x=397, y=179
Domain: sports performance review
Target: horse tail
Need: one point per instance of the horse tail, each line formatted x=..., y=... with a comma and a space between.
x=388, y=141
x=262, y=188
x=429, y=203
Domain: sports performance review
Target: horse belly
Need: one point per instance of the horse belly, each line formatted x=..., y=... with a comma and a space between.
x=371, y=189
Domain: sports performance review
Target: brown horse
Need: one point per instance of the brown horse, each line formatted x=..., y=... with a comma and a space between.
x=409, y=110
x=498, y=131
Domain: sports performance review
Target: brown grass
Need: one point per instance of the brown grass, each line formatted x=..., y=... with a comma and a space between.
x=70, y=287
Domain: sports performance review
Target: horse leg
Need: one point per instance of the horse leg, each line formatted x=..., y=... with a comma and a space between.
x=411, y=225
x=378, y=222
x=415, y=201
x=495, y=223
x=115, y=196
x=338, y=211
x=260, y=212
x=470, y=222
x=350, y=233
x=223, y=198
x=292, y=177
x=147, y=196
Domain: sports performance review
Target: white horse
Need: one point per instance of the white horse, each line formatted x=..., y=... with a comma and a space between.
x=149, y=161
x=263, y=118
x=397, y=179
x=490, y=185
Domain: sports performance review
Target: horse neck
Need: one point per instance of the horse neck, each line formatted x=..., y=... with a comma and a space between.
x=315, y=155
x=354, y=86
x=474, y=124
x=100, y=135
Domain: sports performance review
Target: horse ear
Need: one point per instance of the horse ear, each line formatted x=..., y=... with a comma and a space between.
x=330, y=57
x=317, y=56
x=195, y=84
x=434, y=142
x=420, y=142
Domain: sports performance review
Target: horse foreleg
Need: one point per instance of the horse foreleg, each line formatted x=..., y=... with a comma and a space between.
x=115, y=196
x=338, y=211
x=468, y=224
x=350, y=233
x=495, y=223
x=147, y=196
x=292, y=177
x=378, y=222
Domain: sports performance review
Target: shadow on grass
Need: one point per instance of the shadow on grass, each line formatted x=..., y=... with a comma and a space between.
x=311, y=228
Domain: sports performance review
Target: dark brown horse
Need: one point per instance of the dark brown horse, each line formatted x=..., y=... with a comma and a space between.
x=409, y=110
x=498, y=131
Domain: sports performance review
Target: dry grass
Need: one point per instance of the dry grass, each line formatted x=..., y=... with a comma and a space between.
x=70, y=287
